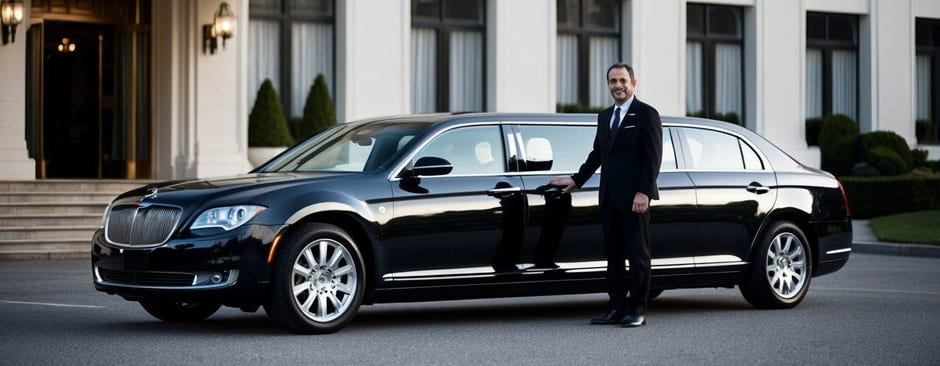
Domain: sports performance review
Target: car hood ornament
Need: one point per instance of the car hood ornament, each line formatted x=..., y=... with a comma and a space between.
x=152, y=194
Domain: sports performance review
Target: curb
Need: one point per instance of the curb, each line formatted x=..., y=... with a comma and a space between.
x=908, y=250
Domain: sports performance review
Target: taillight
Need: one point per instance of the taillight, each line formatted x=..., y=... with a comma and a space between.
x=845, y=200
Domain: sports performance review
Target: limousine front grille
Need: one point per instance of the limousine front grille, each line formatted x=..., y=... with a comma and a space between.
x=147, y=278
x=141, y=225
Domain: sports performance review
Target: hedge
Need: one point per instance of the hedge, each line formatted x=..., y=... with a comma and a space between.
x=879, y=196
x=891, y=141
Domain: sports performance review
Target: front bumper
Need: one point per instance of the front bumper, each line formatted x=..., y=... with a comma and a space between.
x=230, y=268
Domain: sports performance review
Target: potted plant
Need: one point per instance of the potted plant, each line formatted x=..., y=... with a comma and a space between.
x=268, y=134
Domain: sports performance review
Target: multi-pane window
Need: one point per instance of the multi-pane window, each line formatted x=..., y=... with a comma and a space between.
x=715, y=62
x=290, y=42
x=588, y=43
x=447, y=55
x=927, y=67
x=831, y=65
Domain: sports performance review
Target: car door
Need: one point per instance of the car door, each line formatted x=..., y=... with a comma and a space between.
x=564, y=230
x=449, y=228
x=735, y=189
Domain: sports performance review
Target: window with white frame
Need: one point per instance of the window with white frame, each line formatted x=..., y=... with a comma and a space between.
x=290, y=42
x=448, y=62
x=715, y=62
x=927, y=66
x=831, y=65
x=588, y=43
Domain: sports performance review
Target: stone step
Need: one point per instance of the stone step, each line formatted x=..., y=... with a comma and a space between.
x=45, y=255
x=54, y=185
x=47, y=232
x=40, y=220
x=25, y=208
x=63, y=196
x=37, y=246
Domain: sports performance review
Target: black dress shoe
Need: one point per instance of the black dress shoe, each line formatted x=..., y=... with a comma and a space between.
x=633, y=321
x=612, y=316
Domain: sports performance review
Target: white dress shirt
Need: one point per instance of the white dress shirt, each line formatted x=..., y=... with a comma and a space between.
x=623, y=112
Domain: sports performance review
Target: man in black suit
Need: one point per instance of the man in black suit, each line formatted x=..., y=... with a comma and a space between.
x=628, y=145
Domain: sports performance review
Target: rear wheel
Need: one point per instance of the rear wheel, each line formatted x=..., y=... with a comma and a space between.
x=781, y=269
x=178, y=311
x=318, y=281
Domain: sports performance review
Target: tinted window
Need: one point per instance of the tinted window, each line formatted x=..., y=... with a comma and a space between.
x=669, y=152
x=751, y=160
x=567, y=146
x=471, y=150
x=712, y=150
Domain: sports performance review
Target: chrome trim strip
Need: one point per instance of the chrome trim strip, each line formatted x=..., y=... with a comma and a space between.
x=837, y=251
x=505, y=190
x=232, y=278
x=721, y=264
x=708, y=259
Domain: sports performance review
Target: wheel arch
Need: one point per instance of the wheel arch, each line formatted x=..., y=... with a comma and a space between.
x=801, y=219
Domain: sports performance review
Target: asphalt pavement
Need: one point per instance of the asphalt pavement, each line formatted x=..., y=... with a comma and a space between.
x=876, y=310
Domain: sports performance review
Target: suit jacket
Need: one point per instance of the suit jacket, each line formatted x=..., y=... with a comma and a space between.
x=630, y=156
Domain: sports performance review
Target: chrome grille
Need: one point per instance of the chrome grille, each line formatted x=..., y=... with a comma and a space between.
x=147, y=278
x=138, y=225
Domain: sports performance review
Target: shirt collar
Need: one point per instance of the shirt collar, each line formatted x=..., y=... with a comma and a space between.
x=626, y=105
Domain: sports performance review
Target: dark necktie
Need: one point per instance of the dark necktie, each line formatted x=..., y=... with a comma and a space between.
x=616, y=122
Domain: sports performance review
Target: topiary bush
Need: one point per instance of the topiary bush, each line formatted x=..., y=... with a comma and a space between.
x=835, y=131
x=843, y=154
x=919, y=158
x=319, y=112
x=879, y=196
x=266, y=126
x=813, y=125
x=924, y=130
x=887, y=161
x=889, y=140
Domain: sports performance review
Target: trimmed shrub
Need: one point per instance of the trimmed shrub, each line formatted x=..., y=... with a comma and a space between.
x=836, y=130
x=319, y=112
x=813, y=125
x=879, y=196
x=890, y=140
x=888, y=161
x=266, y=126
x=924, y=130
x=295, y=124
x=864, y=170
x=918, y=158
x=842, y=155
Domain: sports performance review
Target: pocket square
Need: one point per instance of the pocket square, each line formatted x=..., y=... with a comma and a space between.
x=630, y=126
x=631, y=114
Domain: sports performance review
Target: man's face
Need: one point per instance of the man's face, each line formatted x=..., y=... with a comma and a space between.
x=621, y=85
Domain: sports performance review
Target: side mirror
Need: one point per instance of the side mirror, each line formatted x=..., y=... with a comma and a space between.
x=538, y=154
x=431, y=166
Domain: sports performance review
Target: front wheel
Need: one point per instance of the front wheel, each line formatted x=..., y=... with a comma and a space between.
x=781, y=269
x=178, y=311
x=318, y=280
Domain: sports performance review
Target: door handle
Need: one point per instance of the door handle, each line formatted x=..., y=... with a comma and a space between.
x=502, y=191
x=757, y=188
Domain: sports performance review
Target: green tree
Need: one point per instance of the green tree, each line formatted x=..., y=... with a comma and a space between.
x=319, y=112
x=266, y=125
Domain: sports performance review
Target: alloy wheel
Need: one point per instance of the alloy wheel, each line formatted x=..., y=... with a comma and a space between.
x=324, y=280
x=786, y=265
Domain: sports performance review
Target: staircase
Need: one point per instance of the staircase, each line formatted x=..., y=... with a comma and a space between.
x=54, y=219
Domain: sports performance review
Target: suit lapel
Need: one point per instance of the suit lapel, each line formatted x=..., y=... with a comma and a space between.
x=629, y=119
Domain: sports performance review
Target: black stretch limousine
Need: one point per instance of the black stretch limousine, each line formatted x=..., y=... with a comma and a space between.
x=432, y=207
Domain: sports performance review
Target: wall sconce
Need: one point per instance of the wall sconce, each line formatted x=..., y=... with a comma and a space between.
x=223, y=25
x=66, y=46
x=11, y=15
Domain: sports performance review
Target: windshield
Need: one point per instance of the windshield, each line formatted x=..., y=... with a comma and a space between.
x=352, y=149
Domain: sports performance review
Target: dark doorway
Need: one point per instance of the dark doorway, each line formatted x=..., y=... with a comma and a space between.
x=79, y=98
x=88, y=72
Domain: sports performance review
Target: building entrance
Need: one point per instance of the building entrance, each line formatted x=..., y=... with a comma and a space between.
x=89, y=89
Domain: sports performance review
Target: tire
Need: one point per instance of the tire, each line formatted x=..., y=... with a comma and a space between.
x=775, y=281
x=312, y=297
x=654, y=293
x=177, y=311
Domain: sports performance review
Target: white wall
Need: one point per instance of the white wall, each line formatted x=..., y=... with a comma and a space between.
x=373, y=48
x=14, y=158
x=657, y=52
x=521, y=58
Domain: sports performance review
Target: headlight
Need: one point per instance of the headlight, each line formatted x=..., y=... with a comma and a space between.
x=226, y=218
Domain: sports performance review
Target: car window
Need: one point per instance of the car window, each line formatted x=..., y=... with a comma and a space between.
x=751, y=160
x=712, y=150
x=471, y=150
x=669, y=152
x=565, y=146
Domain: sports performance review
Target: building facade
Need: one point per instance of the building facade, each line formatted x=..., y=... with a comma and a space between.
x=132, y=89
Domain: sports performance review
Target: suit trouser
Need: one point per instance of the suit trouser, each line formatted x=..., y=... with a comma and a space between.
x=626, y=236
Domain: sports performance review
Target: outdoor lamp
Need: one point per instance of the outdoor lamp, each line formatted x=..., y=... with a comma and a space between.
x=11, y=15
x=223, y=25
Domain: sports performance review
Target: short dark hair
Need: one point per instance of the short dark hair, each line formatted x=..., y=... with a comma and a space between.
x=620, y=66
